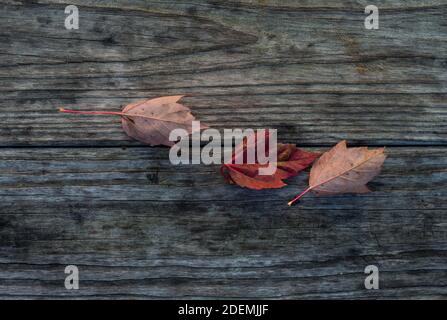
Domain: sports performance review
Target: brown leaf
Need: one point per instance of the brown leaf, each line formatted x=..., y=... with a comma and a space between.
x=151, y=121
x=344, y=170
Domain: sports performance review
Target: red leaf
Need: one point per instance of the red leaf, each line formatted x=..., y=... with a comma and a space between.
x=290, y=161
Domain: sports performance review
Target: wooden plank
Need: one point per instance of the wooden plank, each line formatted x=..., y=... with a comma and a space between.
x=139, y=227
x=308, y=68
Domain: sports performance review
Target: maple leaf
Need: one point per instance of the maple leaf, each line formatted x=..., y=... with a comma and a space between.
x=290, y=161
x=344, y=170
x=151, y=121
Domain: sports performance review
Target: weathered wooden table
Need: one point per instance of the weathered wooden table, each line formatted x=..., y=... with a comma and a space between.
x=74, y=190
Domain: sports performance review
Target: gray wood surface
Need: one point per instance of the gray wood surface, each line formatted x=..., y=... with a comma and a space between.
x=76, y=190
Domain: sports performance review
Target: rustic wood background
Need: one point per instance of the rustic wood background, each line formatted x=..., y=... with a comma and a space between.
x=76, y=190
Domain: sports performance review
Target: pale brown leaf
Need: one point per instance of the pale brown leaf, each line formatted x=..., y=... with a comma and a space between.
x=151, y=121
x=344, y=170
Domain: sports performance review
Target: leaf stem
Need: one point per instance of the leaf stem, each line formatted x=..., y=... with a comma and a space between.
x=299, y=196
x=106, y=113
x=115, y=113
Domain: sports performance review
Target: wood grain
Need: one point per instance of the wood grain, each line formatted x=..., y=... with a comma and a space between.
x=76, y=190
x=138, y=227
x=311, y=69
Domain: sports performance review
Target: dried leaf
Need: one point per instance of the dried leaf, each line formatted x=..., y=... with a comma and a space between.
x=290, y=161
x=344, y=170
x=151, y=121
